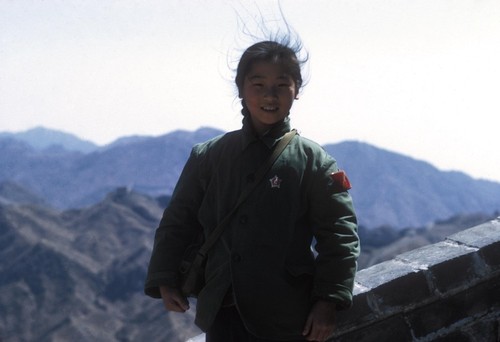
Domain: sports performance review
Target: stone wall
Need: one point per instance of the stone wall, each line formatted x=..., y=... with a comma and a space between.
x=448, y=291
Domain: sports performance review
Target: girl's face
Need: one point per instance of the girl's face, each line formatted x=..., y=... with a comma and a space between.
x=268, y=92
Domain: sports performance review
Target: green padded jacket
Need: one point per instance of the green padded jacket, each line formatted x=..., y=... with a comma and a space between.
x=264, y=255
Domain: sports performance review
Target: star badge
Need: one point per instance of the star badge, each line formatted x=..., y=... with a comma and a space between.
x=275, y=182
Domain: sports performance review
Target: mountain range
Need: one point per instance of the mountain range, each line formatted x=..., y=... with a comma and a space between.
x=42, y=138
x=388, y=188
x=77, y=274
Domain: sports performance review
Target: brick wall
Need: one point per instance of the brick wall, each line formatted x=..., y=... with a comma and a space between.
x=448, y=291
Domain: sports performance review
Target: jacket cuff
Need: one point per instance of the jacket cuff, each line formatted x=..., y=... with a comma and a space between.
x=155, y=280
x=337, y=294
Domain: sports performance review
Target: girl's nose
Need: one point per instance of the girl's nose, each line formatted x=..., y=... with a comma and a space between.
x=271, y=92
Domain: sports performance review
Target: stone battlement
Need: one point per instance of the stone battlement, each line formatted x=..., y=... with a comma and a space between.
x=446, y=291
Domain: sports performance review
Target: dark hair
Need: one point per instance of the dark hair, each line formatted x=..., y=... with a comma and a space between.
x=274, y=52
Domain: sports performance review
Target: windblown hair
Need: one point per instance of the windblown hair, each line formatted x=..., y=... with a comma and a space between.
x=277, y=42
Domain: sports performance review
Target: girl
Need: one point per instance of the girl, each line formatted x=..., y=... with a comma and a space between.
x=262, y=280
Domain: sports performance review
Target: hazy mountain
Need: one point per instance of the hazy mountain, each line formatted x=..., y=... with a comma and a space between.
x=77, y=275
x=41, y=138
x=393, y=189
x=388, y=188
x=69, y=179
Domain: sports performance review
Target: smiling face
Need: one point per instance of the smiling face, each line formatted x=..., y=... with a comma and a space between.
x=268, y=92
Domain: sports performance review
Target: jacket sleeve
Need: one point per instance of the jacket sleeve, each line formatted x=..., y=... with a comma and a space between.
x=335, y=230
x=178, y=228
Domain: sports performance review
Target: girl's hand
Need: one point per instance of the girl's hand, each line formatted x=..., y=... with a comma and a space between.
x=173, y=299
x=321, y=321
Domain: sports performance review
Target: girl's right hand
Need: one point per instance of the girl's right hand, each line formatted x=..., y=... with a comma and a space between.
x=173, y=299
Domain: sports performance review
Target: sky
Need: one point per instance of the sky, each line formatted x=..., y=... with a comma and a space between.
x=421, y=78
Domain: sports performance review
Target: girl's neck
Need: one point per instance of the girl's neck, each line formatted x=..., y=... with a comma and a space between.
x=262, y=130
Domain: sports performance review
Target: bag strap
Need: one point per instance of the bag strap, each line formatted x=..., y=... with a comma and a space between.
x=261, y=172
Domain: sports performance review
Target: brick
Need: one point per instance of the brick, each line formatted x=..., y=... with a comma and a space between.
x=359, y=289
x=384, y=272
x=491, y=256
x=450, y=266
x=360, y=313
x=431, y=255
x=484, y=329
x=394, y=285
x=486, y=237
x=392, y=329
x=458, y=335
x=460, y=308
x=479, y=236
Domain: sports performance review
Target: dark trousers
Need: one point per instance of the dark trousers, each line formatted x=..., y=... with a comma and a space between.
x=228, y=327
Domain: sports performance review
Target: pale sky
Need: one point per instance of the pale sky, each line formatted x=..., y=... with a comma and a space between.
x=421, y=78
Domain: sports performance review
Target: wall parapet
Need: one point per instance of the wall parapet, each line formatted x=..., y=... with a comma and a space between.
x=446, y=291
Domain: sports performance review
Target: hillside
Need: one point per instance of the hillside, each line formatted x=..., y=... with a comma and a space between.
x=12, y=193
x=388, y=188
x=77, y=275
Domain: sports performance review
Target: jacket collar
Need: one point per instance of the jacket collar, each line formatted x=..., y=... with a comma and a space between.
x=269, y=138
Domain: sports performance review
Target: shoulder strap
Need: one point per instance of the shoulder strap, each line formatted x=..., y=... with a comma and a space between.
x=261, y=172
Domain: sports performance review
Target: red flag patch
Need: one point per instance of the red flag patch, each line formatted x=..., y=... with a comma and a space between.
x=340, y=179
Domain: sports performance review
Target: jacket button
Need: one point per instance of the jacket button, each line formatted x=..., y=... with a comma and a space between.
x=236, y=257
x=243, y=219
